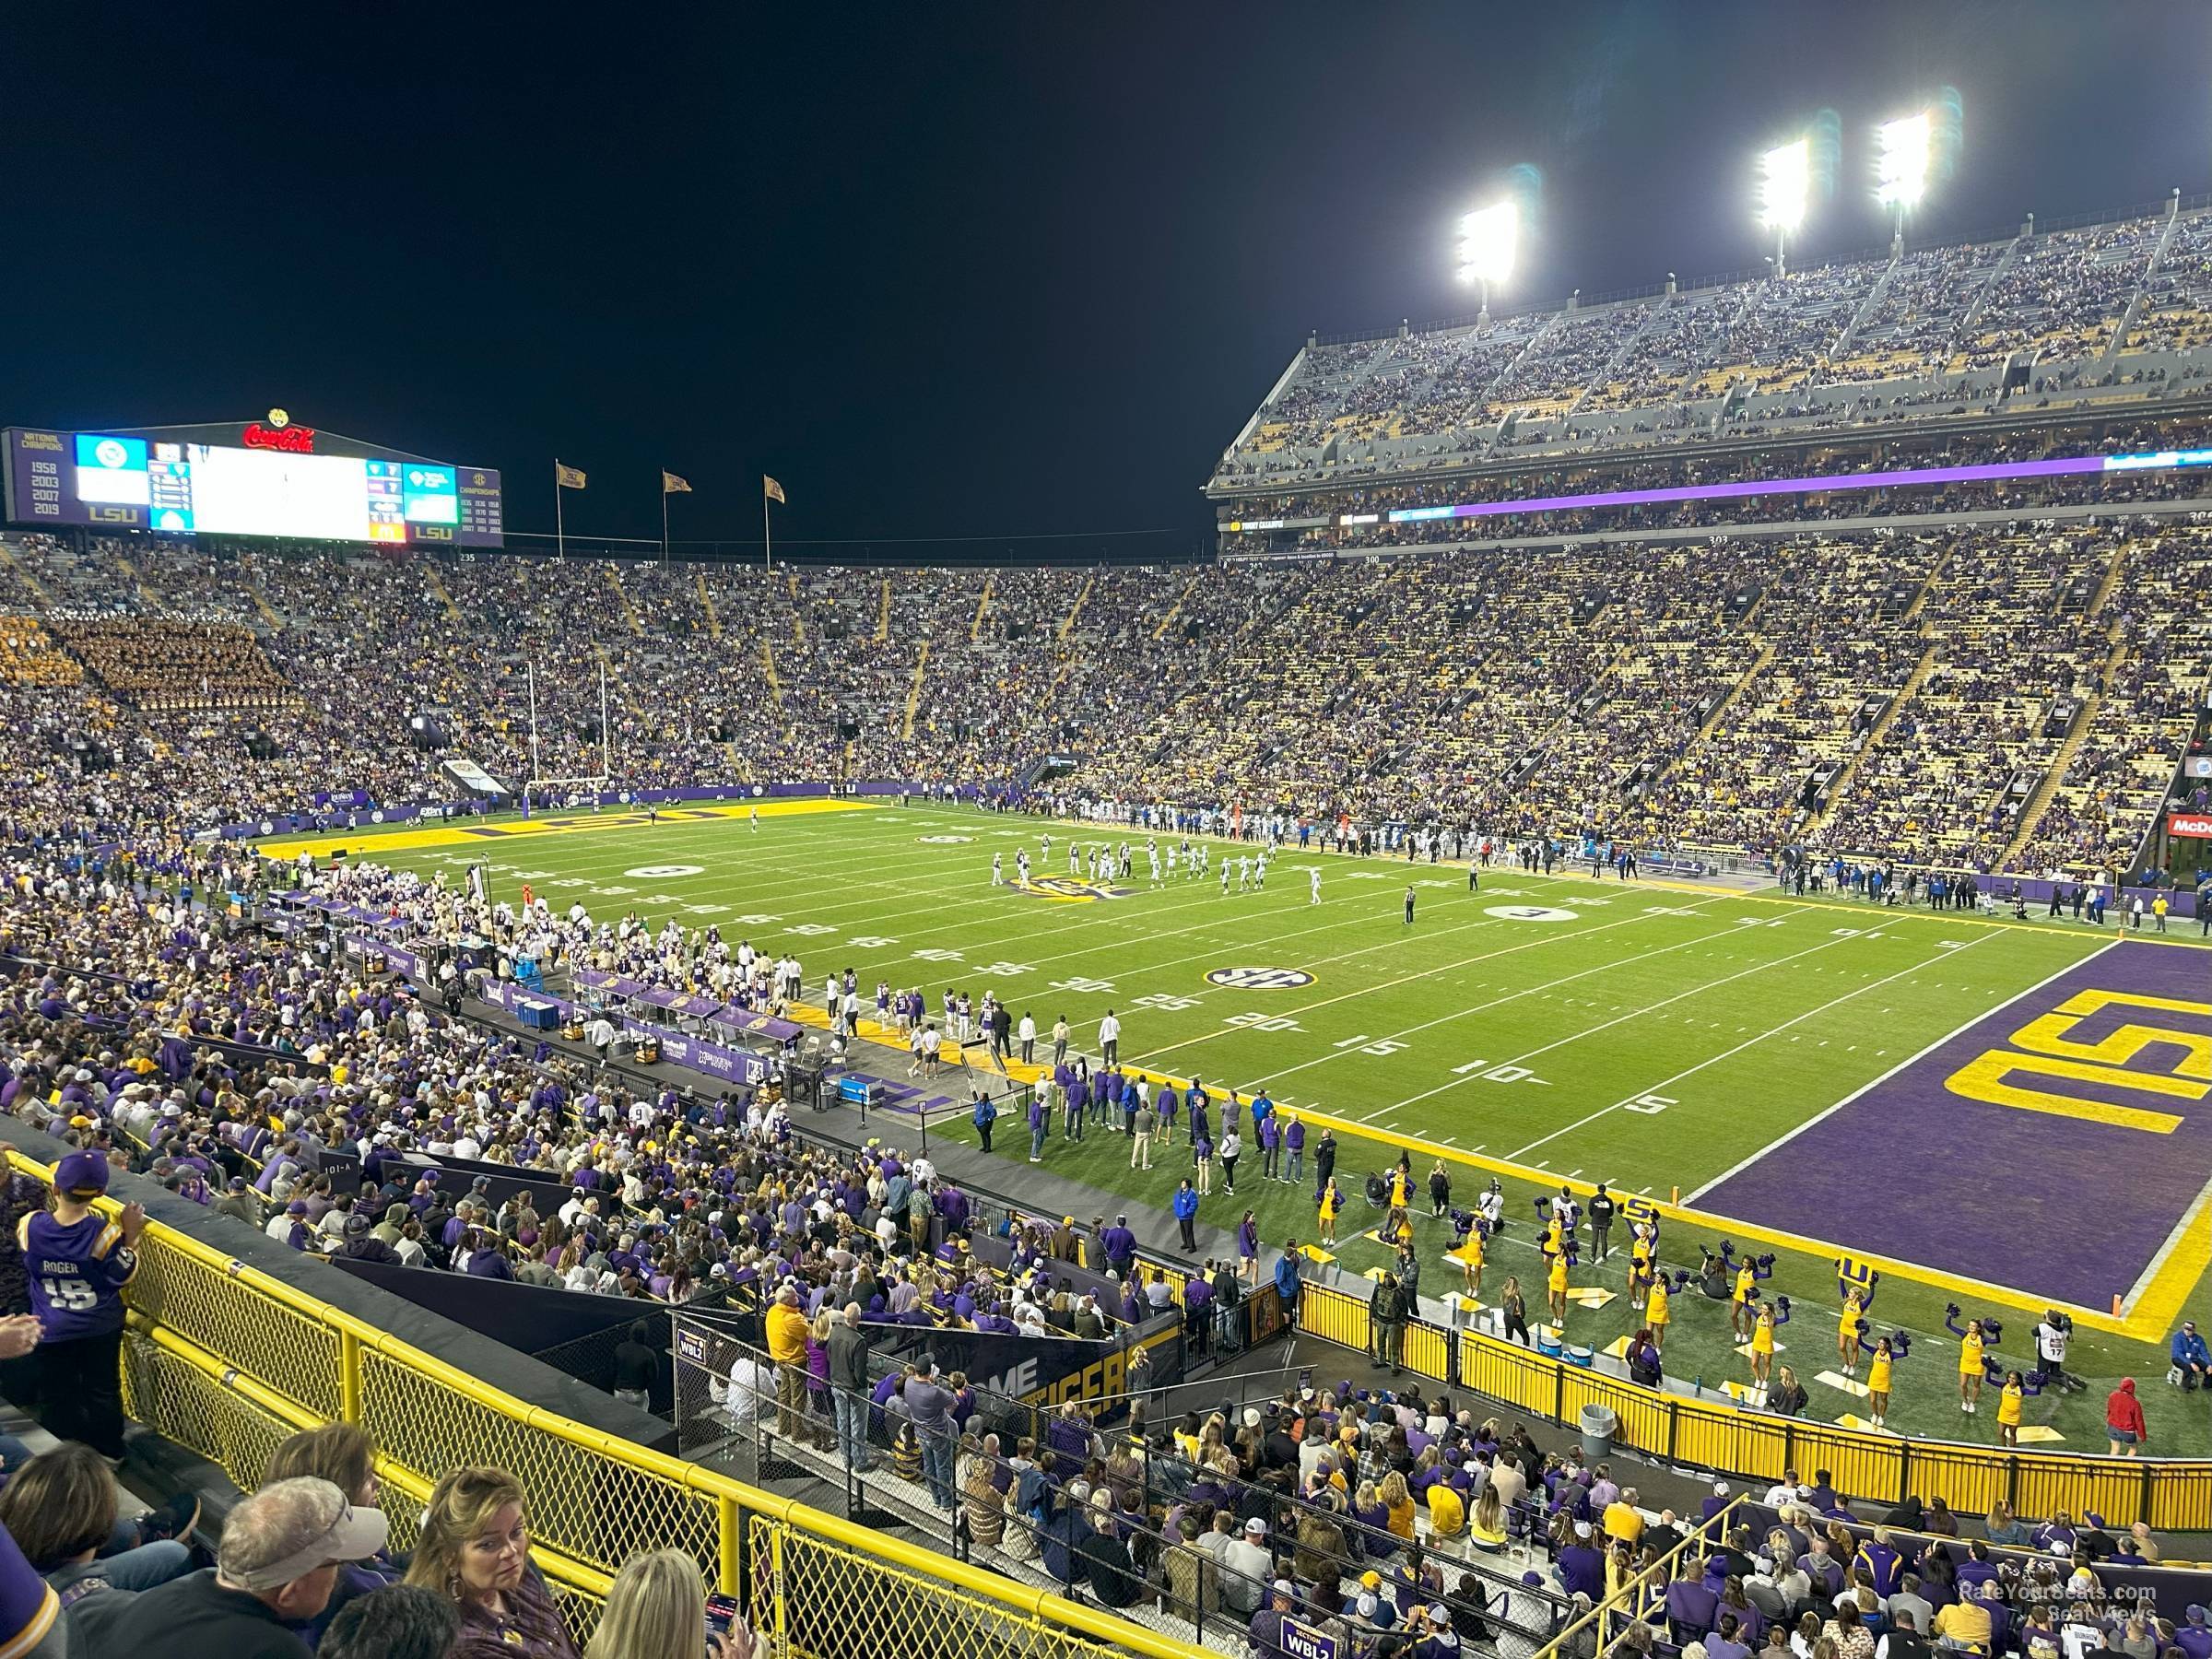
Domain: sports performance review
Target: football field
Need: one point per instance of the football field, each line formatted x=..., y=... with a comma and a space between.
x=1996, y=1114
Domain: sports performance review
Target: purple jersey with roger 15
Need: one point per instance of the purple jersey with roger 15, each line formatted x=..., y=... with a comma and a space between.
x=76, y=1273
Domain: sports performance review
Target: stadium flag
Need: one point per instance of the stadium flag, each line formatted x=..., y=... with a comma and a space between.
x=770, y=491
x=564, y=478
x=670, y=485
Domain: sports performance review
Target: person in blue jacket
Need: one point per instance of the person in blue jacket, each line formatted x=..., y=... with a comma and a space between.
x=1185, y=1205
x=2189, y=1355
x=1286, y=1281
x=984, y=1115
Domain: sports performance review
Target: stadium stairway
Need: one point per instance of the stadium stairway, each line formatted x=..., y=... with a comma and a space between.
x=1082, y=598
x=1175, y=609
x=429, y=575
x=768, y=668
x=975, y=628
x=1720, y=712
x=883, y=613
x=1881, y=729
x=913, y=695
x=2063, y=761
x=261, y=603
x=630, y=611
x=137, y=578
x=706, y=602
x=31, y=581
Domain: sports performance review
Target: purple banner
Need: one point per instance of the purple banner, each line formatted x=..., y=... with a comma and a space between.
x=38, y=488
x=2081, y=1103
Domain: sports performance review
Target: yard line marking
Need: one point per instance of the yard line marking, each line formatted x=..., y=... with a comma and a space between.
x=1633, y=1013
x=1459, y=1013
x=1783, y=1140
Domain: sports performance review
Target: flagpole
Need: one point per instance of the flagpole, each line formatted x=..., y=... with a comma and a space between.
x=768, y=550
x=663, y=518
x=561, y=534
x=607, y=752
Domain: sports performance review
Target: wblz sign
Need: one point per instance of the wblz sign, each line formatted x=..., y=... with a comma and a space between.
x=1301, y=1641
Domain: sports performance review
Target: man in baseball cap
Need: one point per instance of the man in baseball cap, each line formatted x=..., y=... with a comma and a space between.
x=281, y=1551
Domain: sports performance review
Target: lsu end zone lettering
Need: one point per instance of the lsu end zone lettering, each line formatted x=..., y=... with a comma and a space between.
x=2059, y=1143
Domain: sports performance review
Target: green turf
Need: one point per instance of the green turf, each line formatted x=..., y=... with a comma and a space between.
x=1655, y=1039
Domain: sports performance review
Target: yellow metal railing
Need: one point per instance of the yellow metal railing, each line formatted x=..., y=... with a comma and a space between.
x=228, y=1361
x=1628, y=1599
x=2174, y=1493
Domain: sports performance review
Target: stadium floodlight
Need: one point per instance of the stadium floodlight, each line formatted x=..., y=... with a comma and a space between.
x=1489, y=238
x=1785, y=180
x=1902, y=151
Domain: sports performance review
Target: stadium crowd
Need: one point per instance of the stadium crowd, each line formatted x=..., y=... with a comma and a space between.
x=1861, y=344
x=1990, y=697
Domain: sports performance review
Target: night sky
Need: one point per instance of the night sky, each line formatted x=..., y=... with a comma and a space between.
x=945, y=270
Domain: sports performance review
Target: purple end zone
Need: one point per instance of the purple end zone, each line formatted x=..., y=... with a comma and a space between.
x=2054, y=1205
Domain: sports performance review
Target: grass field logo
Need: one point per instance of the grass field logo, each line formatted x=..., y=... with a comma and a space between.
x=1259, y=979
x=1528, y=912
x=1066, y=889
x=942, y=841
x=665, y=872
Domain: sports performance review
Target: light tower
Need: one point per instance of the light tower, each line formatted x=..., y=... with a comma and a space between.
x=1489, y=238
x=1785, y=178
x=1902, y=149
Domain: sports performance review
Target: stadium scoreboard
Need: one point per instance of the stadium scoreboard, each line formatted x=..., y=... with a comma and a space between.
x=267, y=477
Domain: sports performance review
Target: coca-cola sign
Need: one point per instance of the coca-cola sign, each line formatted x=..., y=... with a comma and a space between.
x=297, y=441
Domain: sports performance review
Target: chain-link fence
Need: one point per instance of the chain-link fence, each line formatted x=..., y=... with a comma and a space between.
x=1051, y=1499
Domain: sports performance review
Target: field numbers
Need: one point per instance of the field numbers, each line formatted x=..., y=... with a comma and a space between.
x=1650, y=1105
x=1856, y=932
x=1380, y=1045
x=870, y=942
x=1165, y=1002
x=937, y=953
x=1760, y=920
x=1262, y=1022
x=1491, y=1073
x=754, y=919
x=1097, y=987
x=1005, y=970
x=810, y=929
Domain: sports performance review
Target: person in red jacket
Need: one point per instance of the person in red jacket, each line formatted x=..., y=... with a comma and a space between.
x=2123, y=1424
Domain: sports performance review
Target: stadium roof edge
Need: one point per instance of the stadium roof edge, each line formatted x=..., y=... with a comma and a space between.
x=1701, y=282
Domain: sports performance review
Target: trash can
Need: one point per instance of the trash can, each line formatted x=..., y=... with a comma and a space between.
x=1599, y=1427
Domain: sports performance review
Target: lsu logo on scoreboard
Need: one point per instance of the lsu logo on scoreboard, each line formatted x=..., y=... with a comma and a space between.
x=1067, y=889
x=2111, y=1058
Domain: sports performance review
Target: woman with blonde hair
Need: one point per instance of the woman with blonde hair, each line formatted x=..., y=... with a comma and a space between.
x=475, y=1551
x=1486, y=1527
x=657, y=1610
x=1398, y=1497
x=980, y=1496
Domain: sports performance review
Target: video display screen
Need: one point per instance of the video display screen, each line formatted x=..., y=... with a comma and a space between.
x=274, y=483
